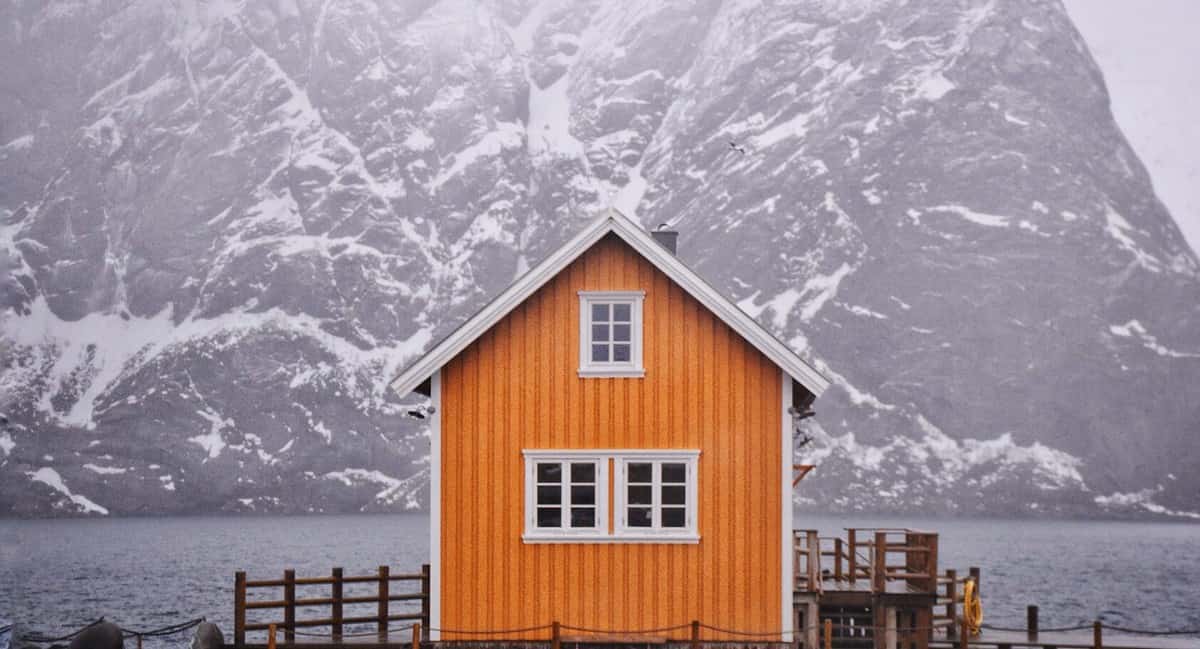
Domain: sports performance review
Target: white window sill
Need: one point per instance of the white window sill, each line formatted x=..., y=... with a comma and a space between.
x=612, y=372
x=675, y=539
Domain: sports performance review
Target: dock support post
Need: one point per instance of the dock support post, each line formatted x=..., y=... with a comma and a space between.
x=289, y=606
x=416, y=635
x=336, y=595
x=381, y=610
x=1097, y=635
x=695, y=634
x=889, y=627
x=555, y=636
x=812, y=634
x=952, y=602
x=828, y=633
x=271, y=636
x=239, y=609
x=426, y=593
x=1031, y=621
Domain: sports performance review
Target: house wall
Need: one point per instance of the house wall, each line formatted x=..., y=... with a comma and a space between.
x=517, y=388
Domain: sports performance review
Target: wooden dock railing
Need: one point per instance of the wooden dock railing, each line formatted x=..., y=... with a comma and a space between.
x=875, y=556
x=950, y=597
x=336, y=602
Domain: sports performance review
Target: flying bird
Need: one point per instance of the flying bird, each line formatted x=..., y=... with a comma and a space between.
x=736, y=147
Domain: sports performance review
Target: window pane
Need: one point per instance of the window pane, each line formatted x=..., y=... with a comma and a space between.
x=673, y=517
x=674, y=472
x=639, y=495
x=549, y=472
x=640, y=472
x=549, y=495
x=583, y=495
x=674, y=495
x=583, y=517
x=621, y=352
x=621, y=333
x=549, y=517
x=621, y=313
x=599, y=333
x=639, y=517
x=600, y=353
x=583, y=472
x=599, y=313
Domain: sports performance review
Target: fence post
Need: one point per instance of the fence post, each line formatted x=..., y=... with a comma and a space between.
x=964, y=633
x=695, y=634
x=853, y=555
x=271, y=636
x=336, y=594
x=837, y=558
x=879, y=563
x=952, y=602
x=555, y=636
x=425, y=595
x=382, y=612
x=289, y=606
x=828, y=633
x=813, y=561
x=975, y=574
x=416, y=636
x=1097, y=635
x=239, y=609
x=1031, y=620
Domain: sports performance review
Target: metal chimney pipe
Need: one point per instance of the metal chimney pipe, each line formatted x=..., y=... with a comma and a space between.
x=665, y=237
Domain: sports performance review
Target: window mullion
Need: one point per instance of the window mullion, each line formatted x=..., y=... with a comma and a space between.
x=565, y=496
x=656, y=496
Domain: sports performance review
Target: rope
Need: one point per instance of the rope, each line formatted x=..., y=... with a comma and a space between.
x=39, y=638
x=164, y=631
x=361, y=634
x=1149, y=632
x=503, y=631
x=1024, y=630
x=620, y=632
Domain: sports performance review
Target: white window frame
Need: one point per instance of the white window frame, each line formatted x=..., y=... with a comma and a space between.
x=533, y=533
x=589, y=368
x=656, y=533
x=614, y=458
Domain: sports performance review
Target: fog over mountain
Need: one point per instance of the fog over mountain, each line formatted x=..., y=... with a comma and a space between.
x=225, y=225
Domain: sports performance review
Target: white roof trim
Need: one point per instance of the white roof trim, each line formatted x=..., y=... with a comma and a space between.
x=641, y=241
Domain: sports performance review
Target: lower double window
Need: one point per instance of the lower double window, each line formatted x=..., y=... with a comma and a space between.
x=653, y=496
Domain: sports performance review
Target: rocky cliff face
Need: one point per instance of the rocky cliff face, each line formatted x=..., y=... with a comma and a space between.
x=223, y=225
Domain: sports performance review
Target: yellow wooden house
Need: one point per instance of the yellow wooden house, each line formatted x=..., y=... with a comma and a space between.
x=611, y=449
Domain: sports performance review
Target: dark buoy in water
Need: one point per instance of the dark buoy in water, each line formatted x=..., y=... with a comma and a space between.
x=104, y=635
x=208, y=636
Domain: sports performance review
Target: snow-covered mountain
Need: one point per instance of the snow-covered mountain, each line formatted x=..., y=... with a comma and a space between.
x=225, y=224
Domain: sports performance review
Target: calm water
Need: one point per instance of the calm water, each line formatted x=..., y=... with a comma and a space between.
x=147, y=573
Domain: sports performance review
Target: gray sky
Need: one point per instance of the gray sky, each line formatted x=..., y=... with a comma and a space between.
x=1150, y=54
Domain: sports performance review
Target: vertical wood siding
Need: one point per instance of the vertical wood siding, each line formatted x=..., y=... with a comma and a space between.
x=517, y=388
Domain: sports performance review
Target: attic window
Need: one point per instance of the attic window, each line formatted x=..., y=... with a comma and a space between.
x=610, y=333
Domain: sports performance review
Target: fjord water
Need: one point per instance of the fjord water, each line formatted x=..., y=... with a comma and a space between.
x=56, y=575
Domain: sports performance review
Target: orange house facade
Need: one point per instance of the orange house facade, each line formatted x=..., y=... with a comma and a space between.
x=611, y=449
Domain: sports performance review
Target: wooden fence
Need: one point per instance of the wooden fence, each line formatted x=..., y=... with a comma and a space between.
x=335, y=601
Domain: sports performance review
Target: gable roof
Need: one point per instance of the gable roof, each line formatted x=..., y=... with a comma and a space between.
x=616, y=223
